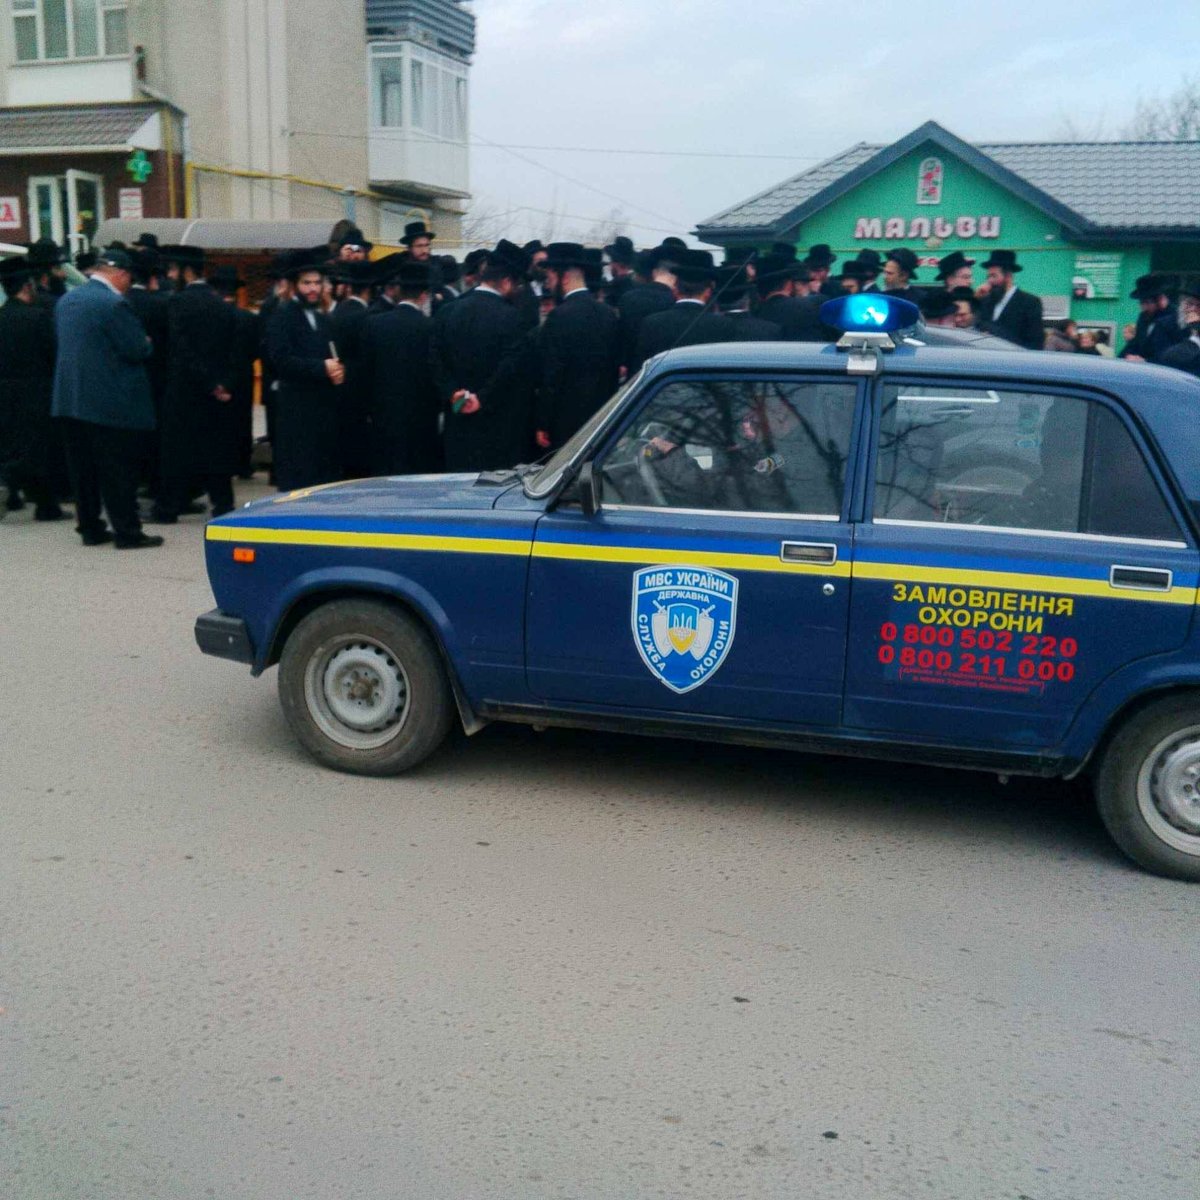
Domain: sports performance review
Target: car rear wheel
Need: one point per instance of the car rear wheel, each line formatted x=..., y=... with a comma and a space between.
x=363, y=688
x=1148, y=787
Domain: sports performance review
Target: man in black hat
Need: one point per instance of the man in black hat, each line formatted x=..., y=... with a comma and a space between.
x=353, y=246
x=871, y=263
x=46, y=260
x=621, y=255
x=146, y=241
x=472, y=269
x=480, y=364
x=102, y=396
x=954, y=270
x=349, y=320
x=579, y=347
x=280, y=294
x=310, y=375
x=387, y=289
x=418, y=237
x=403, y=396
x=899, y=272
x=655, y=292
x=798, y=317
x=200, y=427
x=939, y=308
x=1185, y=354
x=149, y=303
x=27, y=436
x=1158, y=327
x=1007, y=311
x=733, y=302
x=688, y=322
x=225, y=282
x=819, y=260
x=855, y=275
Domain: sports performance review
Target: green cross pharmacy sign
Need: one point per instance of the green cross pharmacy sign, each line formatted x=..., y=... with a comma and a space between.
x=139, y=166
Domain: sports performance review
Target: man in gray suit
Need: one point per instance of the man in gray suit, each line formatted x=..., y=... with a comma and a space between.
x=102, y=394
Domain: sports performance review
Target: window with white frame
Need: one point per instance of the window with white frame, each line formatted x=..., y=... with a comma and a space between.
x=48, y=30
x=419, y=89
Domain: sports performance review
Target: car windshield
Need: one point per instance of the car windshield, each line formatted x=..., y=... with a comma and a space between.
x=549, y=477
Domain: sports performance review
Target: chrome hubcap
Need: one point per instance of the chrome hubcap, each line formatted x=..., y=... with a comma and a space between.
x=357, y=693
x=1169, y=790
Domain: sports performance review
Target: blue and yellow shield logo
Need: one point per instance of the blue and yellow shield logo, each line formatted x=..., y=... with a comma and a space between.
x=683, y=622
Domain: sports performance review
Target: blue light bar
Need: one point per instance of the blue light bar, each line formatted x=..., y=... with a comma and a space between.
x=870, y=312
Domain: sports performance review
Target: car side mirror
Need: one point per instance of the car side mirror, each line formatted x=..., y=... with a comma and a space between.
x=584, y=491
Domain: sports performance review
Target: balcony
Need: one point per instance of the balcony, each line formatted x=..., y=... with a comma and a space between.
x=419, y=120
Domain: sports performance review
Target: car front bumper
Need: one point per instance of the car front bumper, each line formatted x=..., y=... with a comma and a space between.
x=224, y=636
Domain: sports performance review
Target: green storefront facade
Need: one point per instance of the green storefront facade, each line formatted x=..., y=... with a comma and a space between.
x=1117, y=210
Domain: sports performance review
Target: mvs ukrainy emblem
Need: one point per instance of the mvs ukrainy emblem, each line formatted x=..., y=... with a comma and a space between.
x=683, y=622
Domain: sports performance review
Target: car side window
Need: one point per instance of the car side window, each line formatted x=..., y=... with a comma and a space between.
x=749, y=445
x=1018, y=460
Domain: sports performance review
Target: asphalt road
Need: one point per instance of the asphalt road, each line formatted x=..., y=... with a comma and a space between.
x=559, y=965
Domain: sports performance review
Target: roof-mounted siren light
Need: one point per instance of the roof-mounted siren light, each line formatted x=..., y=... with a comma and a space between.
x=867, y=321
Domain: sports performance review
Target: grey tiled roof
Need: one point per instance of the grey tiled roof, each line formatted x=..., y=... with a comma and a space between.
x=1111, y=185
x=39, y=126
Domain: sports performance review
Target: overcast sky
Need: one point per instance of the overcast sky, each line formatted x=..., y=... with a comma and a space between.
x=791, y=80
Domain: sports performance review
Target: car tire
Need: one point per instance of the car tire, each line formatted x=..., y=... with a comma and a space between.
x=364, y=689
x=1148, y=787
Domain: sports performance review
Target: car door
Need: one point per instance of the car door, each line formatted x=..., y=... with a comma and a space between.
x=1020, y=547
x=714, y=578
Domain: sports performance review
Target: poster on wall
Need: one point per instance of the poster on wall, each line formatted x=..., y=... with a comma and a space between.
x=10, y=212
x=1097, y=276
x=129, y=204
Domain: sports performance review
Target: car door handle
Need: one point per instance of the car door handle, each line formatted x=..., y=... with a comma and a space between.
x=1140, y=579
x=821, y=553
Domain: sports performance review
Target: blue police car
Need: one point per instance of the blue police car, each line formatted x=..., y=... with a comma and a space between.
x=878, y=547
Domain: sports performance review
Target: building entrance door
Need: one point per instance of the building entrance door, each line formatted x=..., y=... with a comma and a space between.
x=47, y=208
x=85, y=208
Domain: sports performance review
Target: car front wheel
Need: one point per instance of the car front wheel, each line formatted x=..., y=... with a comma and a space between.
x=1148, y=787
x=364, y=689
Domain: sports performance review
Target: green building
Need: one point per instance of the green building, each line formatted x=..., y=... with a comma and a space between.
x=1085, y=218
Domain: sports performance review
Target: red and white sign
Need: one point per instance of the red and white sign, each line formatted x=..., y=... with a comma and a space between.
x=129, y=204
x=10, y=212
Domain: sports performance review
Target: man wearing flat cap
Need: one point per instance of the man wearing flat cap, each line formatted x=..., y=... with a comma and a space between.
x=102, y=396
x=309, y=373
x=403, y=396
x=1158, y=323
x=481, y=367
x=899, y=272
x=200, y=431
x=1006, y=310
x=653, y=294
x=579, y=348
x=689, y=322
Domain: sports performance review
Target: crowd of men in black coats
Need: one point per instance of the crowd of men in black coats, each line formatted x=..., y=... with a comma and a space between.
x=409, y=364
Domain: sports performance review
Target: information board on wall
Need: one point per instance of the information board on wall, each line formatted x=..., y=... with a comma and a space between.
x=10, y=212
x=1097, y=276
x=129, y=201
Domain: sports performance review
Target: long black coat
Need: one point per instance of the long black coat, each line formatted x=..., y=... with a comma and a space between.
x=404, y=401
x=1156, y=334
x=1020, y=322
x=306, y=402
x=687, y=323
x=634, y=307
x=26, y=386
x=798, y=318
x=349, y=321
x=245, y=352
x=200, y=432
x=749, y=328
x=579, y=347
x=479, y=344
x=151, y=309
x=1183, y=356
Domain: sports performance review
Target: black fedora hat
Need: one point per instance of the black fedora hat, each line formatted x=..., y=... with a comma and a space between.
x=147, y=241
x=45, y=252
x=509, y=258
x=784, y=250
x=15, y=272
x=303, y=261
x=387, y=266
x=779, y=268
x=85, y=260
x=416, y=229
x=870, y=258
x=1149, y=287
x=225, y=278
x=954, y=261
x=565, y=256
x=358, y=274
x=355, y=237
x=664, y=255
x=410, y=274
x=819, y=256
x=937, y=303
x=695, y=266
x=738, y=256
x=853, y=269
x=732, y=283
x=674, y=243
x=905, y=259
x=186, y=256
x=449, y=268
x=1006, y=260
x=621, y=250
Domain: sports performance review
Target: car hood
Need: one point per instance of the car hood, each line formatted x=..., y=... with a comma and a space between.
x=385, y=497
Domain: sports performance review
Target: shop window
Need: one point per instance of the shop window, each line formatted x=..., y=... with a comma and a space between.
x=60, y=29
